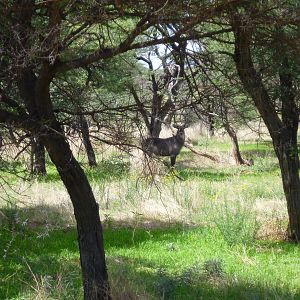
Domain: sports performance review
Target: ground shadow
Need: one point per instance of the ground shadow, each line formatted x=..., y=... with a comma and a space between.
x=30, y=254
x=184, y=169
x=194, y=283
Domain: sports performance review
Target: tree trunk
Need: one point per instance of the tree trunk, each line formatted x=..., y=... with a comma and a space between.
x=90, y=237
x=287, y=149
x=235, y=146
x=38, y=160
x=210, y=126
x=84, y=130
x=86, y=211
x=283, y=131
x=287, y=153
x=155, y=127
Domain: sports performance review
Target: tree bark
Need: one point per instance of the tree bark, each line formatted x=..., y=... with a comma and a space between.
x=210, y=127
x=235, y=146
x=287, y=153
x=287, y=149
x=90, y=237
x=84, y=130
x=26, y=86
x=155, y=127
x=38, y=159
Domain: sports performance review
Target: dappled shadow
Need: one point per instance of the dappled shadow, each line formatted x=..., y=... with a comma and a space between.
x=261, y=153
x=135, y=235
x=38, y=216
x=185, y=171
x=30, y=256
x=11, y=166
x=40, y=251
x=193, y=282
x=262, y=149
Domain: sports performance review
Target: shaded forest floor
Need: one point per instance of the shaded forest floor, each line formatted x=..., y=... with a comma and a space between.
x=217, y=234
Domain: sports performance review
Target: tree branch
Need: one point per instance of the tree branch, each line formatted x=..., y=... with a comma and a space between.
x=124, y=46
x=140, y=105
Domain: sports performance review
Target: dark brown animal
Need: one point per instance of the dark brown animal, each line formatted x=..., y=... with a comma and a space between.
x=166, y=147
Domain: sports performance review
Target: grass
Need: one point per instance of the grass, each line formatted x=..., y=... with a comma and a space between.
x=218, y=234
x=113, y=168
x=177, y=262
x=248, y=147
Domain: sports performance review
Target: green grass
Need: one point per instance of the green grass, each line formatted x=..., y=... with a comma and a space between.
x=219, y=256
x=113, y=168
x=179, y=262
x=248, y=147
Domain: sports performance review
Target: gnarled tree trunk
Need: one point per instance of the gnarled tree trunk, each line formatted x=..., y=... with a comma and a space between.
x=235, y=146
x=90, y=237
x=84, y=130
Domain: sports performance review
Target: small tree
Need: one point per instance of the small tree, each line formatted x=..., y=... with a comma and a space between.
x=281, y=115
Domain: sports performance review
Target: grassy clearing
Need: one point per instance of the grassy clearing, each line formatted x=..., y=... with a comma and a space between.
x=170, y=263
x=218, y=234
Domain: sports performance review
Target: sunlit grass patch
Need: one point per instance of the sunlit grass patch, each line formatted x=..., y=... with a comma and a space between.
x=176, y=262
x=112, y=168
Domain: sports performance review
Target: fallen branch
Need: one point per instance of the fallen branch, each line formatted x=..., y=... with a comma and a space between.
x=191, y=147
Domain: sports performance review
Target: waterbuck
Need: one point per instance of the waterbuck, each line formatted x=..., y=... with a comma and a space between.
x=166, y=147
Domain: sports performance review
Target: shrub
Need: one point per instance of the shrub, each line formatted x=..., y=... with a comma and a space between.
x=235, y=220
x=213, y=268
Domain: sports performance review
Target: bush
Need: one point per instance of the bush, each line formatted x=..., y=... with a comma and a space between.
x=235, y=220
x=213, y=268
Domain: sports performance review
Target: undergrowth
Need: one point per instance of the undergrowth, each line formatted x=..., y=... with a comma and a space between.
x=215, y=234
x=171, y=263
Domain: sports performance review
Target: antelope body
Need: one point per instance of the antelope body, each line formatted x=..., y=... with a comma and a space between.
x=166, y=147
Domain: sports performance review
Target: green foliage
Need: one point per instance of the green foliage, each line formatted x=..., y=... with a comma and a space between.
x=236, y=221
x=115, y=167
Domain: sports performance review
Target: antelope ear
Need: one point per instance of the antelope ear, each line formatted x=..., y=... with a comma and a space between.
x=176, y=126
